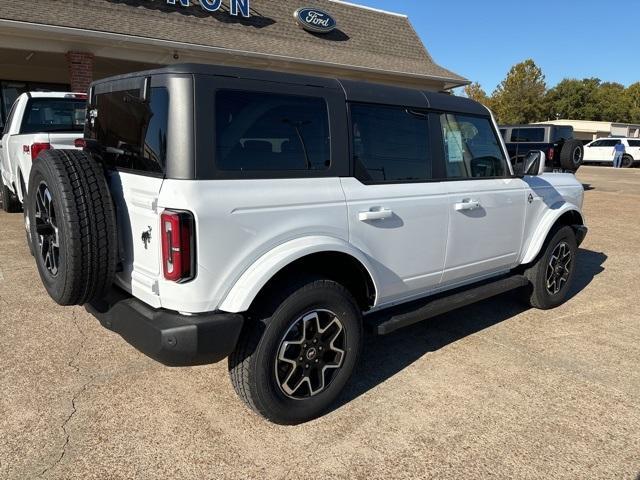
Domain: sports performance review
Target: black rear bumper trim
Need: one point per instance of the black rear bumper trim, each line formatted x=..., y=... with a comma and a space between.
x=169, y=337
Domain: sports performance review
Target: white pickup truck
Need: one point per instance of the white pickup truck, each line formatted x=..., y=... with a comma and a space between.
x=38, y=121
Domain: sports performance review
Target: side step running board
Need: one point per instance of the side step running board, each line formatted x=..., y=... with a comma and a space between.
x=405, y=315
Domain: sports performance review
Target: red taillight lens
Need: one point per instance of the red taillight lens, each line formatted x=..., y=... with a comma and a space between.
x=551, y=153
x=36, y=148
x=80, y=143
x=178, y=247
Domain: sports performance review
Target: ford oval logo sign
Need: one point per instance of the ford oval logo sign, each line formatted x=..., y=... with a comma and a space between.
x=314, y=20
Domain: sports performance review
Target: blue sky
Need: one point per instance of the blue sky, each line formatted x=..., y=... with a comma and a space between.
x=482, y=39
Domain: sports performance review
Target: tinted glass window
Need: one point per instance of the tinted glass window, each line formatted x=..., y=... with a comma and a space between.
x=390, y=144
x=132, y=133
x=609, y=143
x=471, y=147
x=597, y=143
x=269, y=132
x=503, y=133
x=54, y=115
x=562, y=133
x=634, y=143
x=527, y=135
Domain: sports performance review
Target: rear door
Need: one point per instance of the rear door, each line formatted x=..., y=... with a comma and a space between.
x=130, y=121
x=397, y=211
x=486, y=204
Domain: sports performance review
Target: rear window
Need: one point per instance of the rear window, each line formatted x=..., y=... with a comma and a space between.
x=522, y=135
x=51, y=115
x=562, y=133
x=132, y=133
x=260, y=132
x=634, y=143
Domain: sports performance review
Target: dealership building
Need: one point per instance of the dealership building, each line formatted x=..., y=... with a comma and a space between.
x=64, y=45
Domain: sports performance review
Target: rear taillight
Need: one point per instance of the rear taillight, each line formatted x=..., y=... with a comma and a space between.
x=80, y=143
x=178, y=245
x=36, y=148
x=551, y=153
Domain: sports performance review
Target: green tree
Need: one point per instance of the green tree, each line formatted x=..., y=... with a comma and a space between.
x=474, y=91
x=633, y=98
x=520, y=96
x=574, y=99
x=611, y=103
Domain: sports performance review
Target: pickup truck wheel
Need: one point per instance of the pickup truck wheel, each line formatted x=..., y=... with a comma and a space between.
x=295, y=356
x=571, y=155
x=10, y=202
x=627, y=161
x=73, y=228
x=552, y=274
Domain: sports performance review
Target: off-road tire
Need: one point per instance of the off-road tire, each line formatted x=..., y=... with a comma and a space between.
x=253, y=365
x=571, y=155
x=10, y=202
x=86, y=226
x=627, y=161
x=537, y=294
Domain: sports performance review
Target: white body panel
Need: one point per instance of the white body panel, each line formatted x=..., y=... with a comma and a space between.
x=406, y=249
x=136, y=201
x=15, y=154
x=240, y=221
x=486, y=237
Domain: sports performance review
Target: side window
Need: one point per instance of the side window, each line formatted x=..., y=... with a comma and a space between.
x=271, y=132
x=634, y=143
x=390, y=144
x=563, y=133
x=609, y=143
x=133, y=133
x=596, y=144
x=471, y=148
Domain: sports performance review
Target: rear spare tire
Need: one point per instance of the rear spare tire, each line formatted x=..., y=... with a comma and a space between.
x=571, y=155
x=73, y=226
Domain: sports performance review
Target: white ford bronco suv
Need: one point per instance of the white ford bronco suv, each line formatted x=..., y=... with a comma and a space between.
x=37, y=121
x=268, y=218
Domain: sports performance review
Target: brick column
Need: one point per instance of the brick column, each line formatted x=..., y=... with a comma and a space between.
x=80, y=70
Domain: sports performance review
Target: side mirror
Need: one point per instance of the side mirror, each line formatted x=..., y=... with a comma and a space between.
x=534, y=163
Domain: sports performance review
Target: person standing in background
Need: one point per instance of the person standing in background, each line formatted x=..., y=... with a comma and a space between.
x=618, y=153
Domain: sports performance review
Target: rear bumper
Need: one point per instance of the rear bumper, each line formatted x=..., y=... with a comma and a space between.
x=169, y=337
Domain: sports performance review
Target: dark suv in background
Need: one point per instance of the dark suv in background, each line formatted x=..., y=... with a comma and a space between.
x=556, y=141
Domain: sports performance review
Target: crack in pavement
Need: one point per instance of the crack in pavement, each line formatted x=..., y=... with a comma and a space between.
x=73, y=363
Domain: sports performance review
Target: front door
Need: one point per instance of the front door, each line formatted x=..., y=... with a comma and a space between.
x=486, y=203
x=397, y=214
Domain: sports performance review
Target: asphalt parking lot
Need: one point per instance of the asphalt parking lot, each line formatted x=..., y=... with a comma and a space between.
x=490, y=390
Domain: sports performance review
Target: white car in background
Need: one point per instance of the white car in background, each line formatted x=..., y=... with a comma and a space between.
x=602, y=150
x=37, y=121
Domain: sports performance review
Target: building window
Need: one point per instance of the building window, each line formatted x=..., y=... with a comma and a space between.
x=10, y=91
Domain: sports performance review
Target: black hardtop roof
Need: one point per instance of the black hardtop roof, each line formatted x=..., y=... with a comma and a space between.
x=355, y=91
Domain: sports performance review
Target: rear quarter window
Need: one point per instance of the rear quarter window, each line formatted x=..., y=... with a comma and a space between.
x=634, y=143
x=267, y=132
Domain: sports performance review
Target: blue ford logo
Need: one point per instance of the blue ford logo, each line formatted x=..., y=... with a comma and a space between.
x=315, y=20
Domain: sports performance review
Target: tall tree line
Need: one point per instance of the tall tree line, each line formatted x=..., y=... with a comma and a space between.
x=523, y=97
